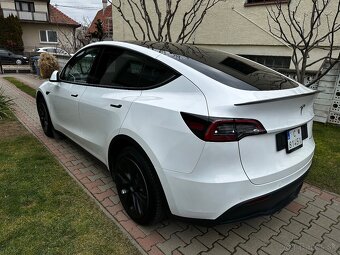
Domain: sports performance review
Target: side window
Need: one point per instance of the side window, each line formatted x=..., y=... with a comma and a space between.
x=120, y=68
x=127, y=69
x=154, y=73
x=82, y=68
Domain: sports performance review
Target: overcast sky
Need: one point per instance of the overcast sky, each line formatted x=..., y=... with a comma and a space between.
x=77, y=9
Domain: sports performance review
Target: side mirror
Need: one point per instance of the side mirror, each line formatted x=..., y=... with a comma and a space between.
x=54, y=76
x=9, y=53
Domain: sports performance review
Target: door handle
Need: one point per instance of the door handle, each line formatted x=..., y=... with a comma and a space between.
x=74, y=95
x=116, y=105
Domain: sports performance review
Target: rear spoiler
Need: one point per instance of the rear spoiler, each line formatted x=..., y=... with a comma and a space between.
x=277, y=99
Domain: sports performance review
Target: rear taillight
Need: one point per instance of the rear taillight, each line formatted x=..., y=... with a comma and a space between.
x=221, y=129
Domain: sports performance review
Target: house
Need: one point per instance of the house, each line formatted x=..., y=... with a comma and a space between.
x=105, y=16
x=236, y=26
x=42, y=24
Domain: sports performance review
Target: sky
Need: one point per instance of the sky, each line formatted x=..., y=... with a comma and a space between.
x=77, y=9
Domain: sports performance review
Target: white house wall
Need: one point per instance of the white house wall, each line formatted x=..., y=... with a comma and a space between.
x=232, y=27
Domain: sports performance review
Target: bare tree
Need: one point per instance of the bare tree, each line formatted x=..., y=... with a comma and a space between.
x=305, y=30
x=153, y=19
x=72, y=40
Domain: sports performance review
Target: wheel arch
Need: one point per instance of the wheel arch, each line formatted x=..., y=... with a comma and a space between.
x=122, y=140
x=39, y=95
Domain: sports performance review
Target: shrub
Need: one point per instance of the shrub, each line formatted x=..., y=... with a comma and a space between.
x=11, y=34
x=5, y=103
x=48, y=63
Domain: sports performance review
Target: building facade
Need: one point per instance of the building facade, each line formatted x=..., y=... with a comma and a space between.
x=240, y=27
x=42, y=24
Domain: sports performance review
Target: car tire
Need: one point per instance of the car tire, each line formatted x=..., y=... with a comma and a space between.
x=45, y=119
x=138, y=186
x=18, y=61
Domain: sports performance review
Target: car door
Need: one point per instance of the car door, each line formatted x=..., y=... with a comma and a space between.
x=64, y=96
x=104, y=105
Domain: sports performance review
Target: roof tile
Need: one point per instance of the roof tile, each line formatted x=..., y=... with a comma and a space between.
x=57, y=17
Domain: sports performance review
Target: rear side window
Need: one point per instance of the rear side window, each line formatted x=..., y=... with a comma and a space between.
x=81, y=68
x=128, y=69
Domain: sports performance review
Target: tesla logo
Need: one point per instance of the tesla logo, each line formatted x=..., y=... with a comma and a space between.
x=301, y=108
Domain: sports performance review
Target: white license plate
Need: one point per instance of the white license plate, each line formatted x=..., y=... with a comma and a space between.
x=294, y=139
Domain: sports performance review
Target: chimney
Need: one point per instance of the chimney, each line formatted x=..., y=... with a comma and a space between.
x=104, y=5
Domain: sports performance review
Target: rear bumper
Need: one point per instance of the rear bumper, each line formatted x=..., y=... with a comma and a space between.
x=263, y=205
x=229, y=196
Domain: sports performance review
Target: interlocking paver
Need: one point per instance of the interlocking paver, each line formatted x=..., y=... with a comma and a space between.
x=329, y=245
x=312, y=210
x=319, y=251
x=284, y=215
x=170, y=229
x=316, y=231
x=295, y=227
x=217, y=250
x=335, y=206
x=231, y=241
x=244, y=230
x=209, y=238
x=240, y=251
x=297, y=250
x=150, y=240
x=304, y=218
x=337, y=225
x=295, y=207
x=331, y=213
x=324, y=222
x=275, y=224
x=252, y=245
x=171, y=244
x=307, y=241
x=327, y=196
x=285, y=237
x=302, y=199
x=275, y=248
x=195, y=247
x=225, y=228
x=257, y=222
x=264, y=234
x=334, y=234
x=321, y=203
x=149, y=229
x=311, y=221
x=188, y=234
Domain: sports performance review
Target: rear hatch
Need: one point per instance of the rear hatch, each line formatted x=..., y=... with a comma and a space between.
x=288, y=144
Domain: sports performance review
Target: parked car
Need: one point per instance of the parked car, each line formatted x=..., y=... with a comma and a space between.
x=53, y=50
x=7, y=57
x=203, y=133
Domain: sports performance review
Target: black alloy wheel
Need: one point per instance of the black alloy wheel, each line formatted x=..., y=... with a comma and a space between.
x=44, y=117
x=137, y=187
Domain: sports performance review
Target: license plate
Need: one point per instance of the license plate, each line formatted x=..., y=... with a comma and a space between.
x=294, y=139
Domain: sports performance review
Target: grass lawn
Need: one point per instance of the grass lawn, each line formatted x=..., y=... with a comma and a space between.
x=42, y=209
x=22, y=86
x=325, y=171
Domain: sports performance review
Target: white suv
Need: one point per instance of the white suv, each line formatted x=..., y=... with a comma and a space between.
x=203, y=133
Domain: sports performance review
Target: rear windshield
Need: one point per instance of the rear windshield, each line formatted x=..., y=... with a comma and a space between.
x=229, y=69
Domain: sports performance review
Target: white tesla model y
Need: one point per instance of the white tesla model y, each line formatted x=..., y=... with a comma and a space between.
x=201, y=133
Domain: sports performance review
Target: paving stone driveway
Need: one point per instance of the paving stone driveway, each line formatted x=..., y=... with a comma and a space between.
x=309, y=225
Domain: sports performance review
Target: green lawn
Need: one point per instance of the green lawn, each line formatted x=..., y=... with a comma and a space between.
x=325, y=171
x=42, y=209
x=22, y=86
